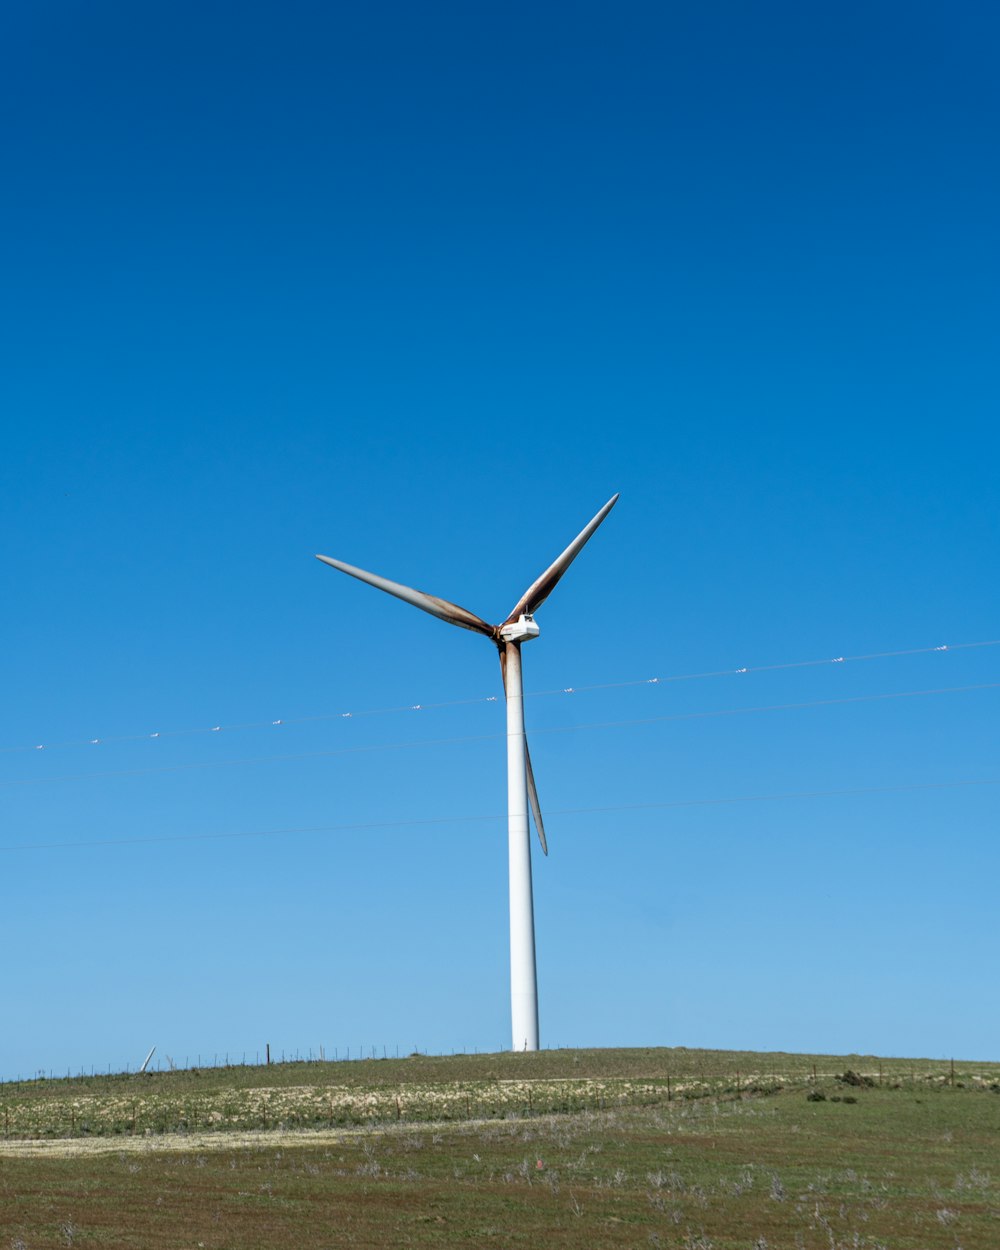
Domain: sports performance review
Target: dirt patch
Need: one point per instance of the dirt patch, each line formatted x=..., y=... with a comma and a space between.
x=181, y=1143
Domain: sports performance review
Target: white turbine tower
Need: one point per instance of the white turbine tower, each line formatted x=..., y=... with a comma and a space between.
x=507, y=636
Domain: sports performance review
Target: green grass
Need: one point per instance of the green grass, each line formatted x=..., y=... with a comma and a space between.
x=716, y=1163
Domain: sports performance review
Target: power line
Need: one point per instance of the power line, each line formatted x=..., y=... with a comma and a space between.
x=549, y=729
x=774, y=668
x=362, y=826
x=418, y=707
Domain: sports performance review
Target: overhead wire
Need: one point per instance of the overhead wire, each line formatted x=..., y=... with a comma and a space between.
x=544, y=729
x=106, y=740
x=364, y=826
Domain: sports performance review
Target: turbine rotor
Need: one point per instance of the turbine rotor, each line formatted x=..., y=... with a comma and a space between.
x=517, y=628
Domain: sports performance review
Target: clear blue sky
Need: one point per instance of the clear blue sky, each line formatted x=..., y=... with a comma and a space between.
x=420, y=287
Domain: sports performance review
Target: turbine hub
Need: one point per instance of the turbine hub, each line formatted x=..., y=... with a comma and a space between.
x=521, y=630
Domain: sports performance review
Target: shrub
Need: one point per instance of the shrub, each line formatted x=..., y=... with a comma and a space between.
x=851, y=1077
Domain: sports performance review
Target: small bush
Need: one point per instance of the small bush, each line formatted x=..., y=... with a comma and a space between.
x=851, y=1077
x=815, y=1095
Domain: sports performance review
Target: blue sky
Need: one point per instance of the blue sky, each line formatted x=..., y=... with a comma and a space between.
x=420, y=288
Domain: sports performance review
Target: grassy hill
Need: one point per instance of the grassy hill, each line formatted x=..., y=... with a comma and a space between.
x=662, y=1147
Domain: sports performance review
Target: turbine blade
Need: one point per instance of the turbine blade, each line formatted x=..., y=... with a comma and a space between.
x=440, y=608
x=536, y=811
x=539, y=591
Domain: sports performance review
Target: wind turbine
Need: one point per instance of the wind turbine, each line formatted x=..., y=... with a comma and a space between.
x=508, y=636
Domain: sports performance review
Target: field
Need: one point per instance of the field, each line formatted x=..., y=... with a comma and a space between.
x=702, y=1150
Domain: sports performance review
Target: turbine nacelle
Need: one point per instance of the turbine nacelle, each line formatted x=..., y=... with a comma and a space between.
x=521, y=630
